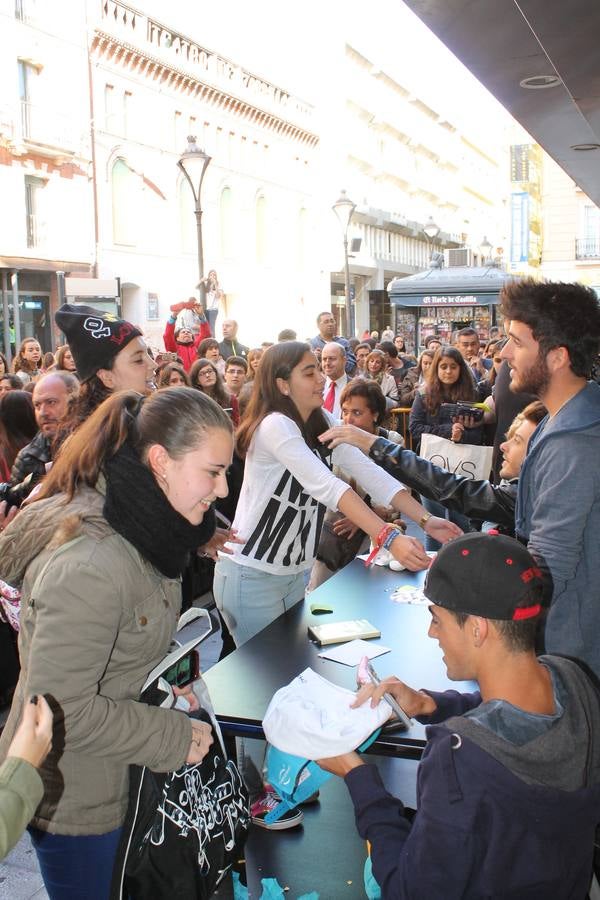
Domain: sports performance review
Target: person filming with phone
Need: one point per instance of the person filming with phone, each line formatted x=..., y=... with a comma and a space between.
x=508, y=787
x=448, y=381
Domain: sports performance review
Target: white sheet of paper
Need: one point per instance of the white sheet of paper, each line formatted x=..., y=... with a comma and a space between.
x=351, y=653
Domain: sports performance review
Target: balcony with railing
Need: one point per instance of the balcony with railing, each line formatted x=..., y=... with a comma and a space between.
x=587, y=248
x=60, y=19
x=44, y=126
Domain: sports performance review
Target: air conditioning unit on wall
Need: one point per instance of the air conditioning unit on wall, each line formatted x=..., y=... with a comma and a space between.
x=463, y=256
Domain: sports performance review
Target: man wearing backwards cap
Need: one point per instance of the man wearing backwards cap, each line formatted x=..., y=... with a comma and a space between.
x=508, y=790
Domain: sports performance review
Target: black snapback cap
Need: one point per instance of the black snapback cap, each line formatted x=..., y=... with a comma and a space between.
x=488, y=575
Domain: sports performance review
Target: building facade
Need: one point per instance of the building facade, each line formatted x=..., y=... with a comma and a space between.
x=45, y=162
x=152, y=88
x=101, y=98
x=404, y=161
x=571, y=247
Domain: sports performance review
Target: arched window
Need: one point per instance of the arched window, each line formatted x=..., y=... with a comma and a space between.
x=125, y=203
x=226, y=223
x=261, y=230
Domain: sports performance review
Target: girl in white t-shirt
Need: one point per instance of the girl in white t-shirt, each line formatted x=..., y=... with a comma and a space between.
x=288, y=484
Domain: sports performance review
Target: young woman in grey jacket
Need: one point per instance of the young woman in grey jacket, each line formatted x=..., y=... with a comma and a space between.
x=99, y=558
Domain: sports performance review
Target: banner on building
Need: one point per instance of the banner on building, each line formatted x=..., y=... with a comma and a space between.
x=519, y=162
x=519, y=227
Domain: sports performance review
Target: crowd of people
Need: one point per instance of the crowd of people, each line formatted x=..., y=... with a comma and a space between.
x=115, y=463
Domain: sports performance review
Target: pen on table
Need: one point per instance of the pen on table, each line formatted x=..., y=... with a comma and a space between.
x=222, y=519
x=388, y=698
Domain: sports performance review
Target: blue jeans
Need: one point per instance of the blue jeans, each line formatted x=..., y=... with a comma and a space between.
x=211, y=315
x=250, y=599
x=76, y=867
x=436, y=509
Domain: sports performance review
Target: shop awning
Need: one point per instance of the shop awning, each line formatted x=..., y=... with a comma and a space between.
x=443, y=299
x=454, y=286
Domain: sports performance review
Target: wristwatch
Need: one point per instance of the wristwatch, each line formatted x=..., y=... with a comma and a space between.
x=424, y=519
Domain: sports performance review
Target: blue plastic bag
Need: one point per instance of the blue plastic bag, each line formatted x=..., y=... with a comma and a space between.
x=372, y=889
x=296, y=778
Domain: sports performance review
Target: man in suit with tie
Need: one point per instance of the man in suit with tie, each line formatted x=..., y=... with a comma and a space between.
x=333, y=362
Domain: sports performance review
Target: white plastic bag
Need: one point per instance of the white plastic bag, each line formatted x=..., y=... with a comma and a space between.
x=465, y=460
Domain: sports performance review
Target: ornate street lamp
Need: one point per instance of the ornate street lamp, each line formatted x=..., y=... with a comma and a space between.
x=431, y=230
x=193, y=163
x=344, y=209
x=485, y=248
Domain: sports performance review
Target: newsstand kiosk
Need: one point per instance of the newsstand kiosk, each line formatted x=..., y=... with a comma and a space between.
x=440, y=301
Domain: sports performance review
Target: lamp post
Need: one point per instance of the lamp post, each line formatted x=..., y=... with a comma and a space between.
x=431, y=230
x=485, y=248
x=193, y=163
x=344, y=209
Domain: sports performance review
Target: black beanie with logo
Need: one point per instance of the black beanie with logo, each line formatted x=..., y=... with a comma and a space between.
x=94, y=337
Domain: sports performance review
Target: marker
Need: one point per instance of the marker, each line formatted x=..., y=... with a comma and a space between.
x=388, y=697
x=222, y=519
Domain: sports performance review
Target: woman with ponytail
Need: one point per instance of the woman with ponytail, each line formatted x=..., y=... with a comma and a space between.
x=98, y=556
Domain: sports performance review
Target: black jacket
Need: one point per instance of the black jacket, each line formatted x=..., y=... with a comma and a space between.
x=421, y=422
x=233, y=348
x=31, y=459
x=475, y=499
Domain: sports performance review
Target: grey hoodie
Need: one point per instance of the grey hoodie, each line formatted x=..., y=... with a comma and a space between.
x=567, y=755
x=558, y=514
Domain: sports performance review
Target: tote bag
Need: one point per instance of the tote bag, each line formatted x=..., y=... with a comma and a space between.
x=464, y=460
x=184, y=830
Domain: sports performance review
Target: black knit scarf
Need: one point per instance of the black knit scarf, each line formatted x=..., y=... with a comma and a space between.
x=139, y=510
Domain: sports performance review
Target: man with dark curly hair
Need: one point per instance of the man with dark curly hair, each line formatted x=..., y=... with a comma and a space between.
x=553, y=341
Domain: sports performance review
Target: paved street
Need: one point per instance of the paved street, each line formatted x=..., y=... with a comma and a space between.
x=20, y=877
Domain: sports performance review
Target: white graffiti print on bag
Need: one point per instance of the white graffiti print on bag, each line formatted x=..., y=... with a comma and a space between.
x=212, y=806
